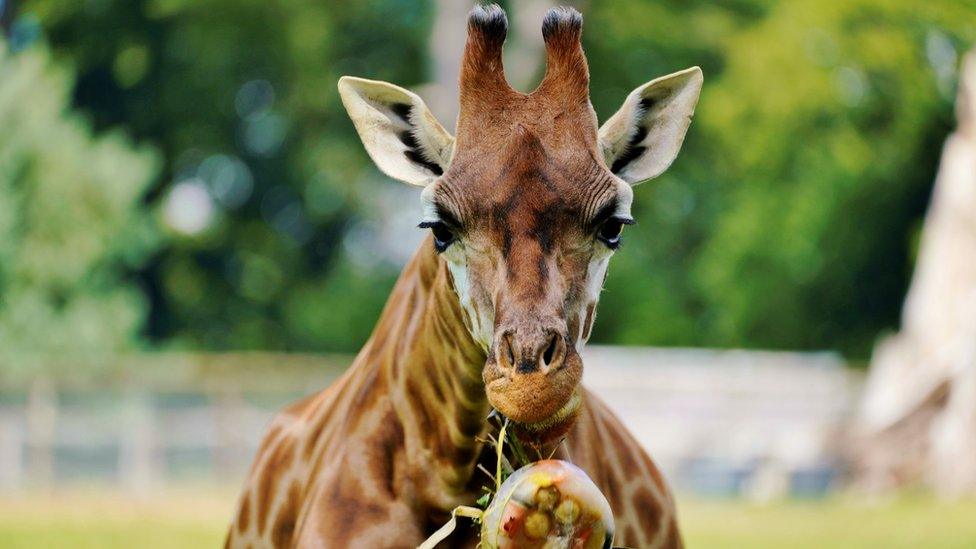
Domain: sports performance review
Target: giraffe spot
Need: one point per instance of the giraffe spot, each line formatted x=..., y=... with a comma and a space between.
x=348, y=513
x=625, y=457
x=267, y=442
x=631, y=536
x=284, y=523
x=673, y=537
x=390, y=442
x=645, y=502
x=369, y=390
x=311, y=441
x=436, y=386
x=418, y=405
x=612, y=486
x=278, y=462
x=244, y=515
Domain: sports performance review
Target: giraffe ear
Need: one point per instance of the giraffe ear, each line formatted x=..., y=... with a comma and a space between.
x=643, y=138
x=400, y=134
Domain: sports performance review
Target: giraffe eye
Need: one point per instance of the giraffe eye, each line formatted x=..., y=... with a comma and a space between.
x=443, y=235
x=609, y=232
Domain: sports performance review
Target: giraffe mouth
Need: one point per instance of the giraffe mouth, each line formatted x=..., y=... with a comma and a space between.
x=557, y=424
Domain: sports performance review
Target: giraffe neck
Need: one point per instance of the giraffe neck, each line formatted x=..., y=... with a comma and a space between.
x=432, y=367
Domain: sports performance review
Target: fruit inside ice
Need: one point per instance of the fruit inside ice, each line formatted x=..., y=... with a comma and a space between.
x=549, y=504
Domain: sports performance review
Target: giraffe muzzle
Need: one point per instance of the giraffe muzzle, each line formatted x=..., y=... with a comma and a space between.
x=533, y=380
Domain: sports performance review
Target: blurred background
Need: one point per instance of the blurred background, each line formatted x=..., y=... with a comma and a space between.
x=191, y=236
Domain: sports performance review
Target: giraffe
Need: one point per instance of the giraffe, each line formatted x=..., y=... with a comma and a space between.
x=525, y=207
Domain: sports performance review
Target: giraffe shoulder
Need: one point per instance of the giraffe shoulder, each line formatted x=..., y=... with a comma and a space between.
x=619, y=442
x=639, y=495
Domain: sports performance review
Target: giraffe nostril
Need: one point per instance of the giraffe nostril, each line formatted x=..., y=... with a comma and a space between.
x=507, y=353
x=550, y=352
x=546, y=354
x=509, y=350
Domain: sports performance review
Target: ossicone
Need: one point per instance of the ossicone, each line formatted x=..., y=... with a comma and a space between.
x=482, y=73
x=567, y=74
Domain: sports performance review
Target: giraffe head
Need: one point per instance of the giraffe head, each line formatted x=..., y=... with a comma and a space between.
x=527, y=203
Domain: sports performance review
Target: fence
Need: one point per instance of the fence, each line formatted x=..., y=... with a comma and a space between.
x=149, y=419
x=754, y=423
x=727, y=422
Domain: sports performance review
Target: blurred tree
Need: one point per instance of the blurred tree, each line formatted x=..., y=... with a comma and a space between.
x=72, y=224
x=789, y=219
x=265, y=174
x=827, y=175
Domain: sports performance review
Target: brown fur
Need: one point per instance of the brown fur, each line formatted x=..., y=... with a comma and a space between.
x=380, y=478
x=380, y=458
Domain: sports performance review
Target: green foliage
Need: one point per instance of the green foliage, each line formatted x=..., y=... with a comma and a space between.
x=787, y=220
x=241, y=98
x=72, y=223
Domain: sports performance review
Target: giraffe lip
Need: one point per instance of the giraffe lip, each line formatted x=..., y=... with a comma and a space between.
x=556, y=423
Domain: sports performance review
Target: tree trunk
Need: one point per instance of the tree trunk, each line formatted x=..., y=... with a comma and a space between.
x=918, y=420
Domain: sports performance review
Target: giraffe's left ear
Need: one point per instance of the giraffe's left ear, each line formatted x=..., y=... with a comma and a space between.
x=641, y=139
x=400, y=134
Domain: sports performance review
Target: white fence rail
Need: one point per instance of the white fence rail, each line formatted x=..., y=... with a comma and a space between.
x=732, y=422
x=727, y=422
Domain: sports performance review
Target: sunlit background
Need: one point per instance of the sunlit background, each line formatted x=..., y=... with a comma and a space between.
x=191, y=235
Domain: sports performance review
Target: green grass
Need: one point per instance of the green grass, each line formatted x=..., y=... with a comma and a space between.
x=838, y=522
x=96, y=519
x=197, y=518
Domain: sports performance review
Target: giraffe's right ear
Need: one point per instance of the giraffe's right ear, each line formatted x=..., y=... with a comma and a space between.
x=400, y=134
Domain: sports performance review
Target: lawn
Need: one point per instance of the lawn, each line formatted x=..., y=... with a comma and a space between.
x=85, y=519
x=196, y=518
x=841, y=522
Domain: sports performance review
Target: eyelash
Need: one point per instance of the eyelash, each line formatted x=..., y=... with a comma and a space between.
x=443, y=235
x=609, y=232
